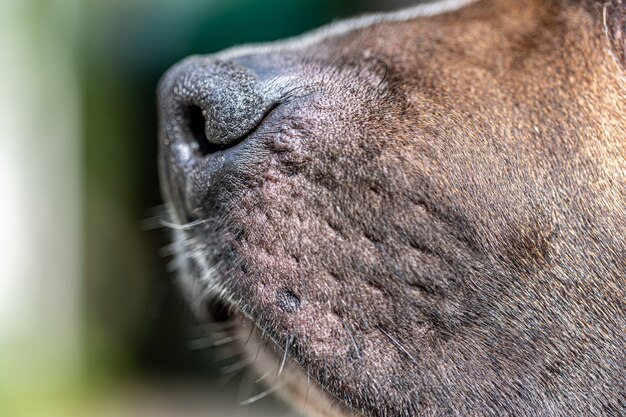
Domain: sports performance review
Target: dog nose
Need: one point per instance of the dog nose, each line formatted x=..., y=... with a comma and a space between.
x=209, y=109
x=210, y=105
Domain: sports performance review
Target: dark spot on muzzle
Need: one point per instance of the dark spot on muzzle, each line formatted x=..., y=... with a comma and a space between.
x=287, y=301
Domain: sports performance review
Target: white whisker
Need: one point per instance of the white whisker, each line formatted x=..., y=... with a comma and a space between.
x=262, y=394
x=262, y=377
x=237, y=366
x=185, y=226
x=226, y=340
x=284, y=358
x=399, y=346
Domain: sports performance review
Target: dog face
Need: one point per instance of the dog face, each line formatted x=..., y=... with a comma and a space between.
x=424, y=211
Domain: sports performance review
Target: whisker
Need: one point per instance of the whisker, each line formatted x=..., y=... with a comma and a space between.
x=308, y=385
x=200, y=343
x=258, y=351
x=156, y=214
x=284, y=358
x=356, y=347
x=267, y=341
x=237, y=366
x=185, y=226
x=262, y=377
x=399, y=346
x=225, y=378
x=263, y=394
x=168, y=250
x=209, y=342
x=332, y=405
x=226, y=340
x=249, y=336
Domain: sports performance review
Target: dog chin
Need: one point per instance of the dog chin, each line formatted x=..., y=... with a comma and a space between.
x=275, y=371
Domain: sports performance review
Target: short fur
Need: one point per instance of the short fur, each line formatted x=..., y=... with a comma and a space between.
x=428, y=213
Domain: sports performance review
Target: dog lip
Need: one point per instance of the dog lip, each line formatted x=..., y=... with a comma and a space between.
x=250, y=338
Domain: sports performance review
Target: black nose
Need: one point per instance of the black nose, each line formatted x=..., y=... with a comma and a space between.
x=209, y=111
x=208, y=105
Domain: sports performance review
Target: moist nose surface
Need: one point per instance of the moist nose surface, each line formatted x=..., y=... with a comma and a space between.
x=211, y=105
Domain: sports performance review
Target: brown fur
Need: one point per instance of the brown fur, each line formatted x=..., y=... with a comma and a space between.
x=429, y=214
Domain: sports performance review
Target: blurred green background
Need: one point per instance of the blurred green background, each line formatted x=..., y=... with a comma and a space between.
x=91, y=322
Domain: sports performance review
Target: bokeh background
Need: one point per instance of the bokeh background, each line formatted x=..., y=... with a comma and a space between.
x=91, y=323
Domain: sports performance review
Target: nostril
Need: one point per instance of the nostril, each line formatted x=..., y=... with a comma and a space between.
x=207, y=106
x=195, y=127
x=196, y=123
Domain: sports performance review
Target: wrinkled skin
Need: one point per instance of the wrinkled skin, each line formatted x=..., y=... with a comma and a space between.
x=429, y=214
